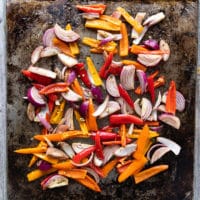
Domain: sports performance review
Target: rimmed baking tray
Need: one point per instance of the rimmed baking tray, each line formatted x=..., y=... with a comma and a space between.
x=26, y=21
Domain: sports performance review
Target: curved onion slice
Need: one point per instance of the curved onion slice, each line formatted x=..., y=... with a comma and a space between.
x=151, y=44
x=146, y=108
x=90, y=15
x=127, y=77
x=30, y=111
x=111, y=86
x=97, y=93
x=54, y=181
x=153, y=116
x=85, y=163
x=142, y=79
x=149, y=60
x=158, y=154
x=171, y=120
x=161, y=108
x=101, y=108
x=36, y=54
x=111, y=108
x=126, y=151
x=56, y=153
x=173, y=146
x=125, y=108
x=78, y=147
x=108, y=152
x=67, y=149
x=83, y=109
x=130, y=129
x=43, y=165
x=71, y=96
x=154, y=19
x=137, y=107
x=65, y=35
x=152, y=148
x=93, y=173
x=44, y=122
x=48, y=36
x=158, y=101
x=98, y=162
x=49, y=51
x=67, y=60
x=138, y=40
x=165, y=47
x=68, y=118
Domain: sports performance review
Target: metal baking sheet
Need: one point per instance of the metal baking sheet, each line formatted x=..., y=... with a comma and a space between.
x=26, y=21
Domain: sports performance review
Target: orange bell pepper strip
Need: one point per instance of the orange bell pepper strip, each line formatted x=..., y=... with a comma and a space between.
x=108, y=167
x=137, y=132
x=132, y=169
x=123, y=166
x=91, y=42
x=90, y=119
x=90, y=183
x=101, y=24
x=63, y=165
x=152, y=123
x=73, y=45
x=37, y=173
x=62, y=46
x=148, y=173
x=49, y=159
x=171, y=98
x=81, y=122
x=134, y=23
x=111, y=19
x=135, y=63
x=73, y=173
x=123, y=134
x=95, y=8
x=77, y=88
x=31, y=150
x=123, y=43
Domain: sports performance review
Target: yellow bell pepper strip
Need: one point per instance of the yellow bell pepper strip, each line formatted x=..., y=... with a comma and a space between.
x=31, y=150
x=93, y=72
x=122, y=133
x=171, y=98
x=107, y=168
x=91, y=42
x=73, y=45
x=57, y=113
x=37, y=173
x=148, y=173
x=49, y=159
x=90, y=119
x=81, y=122
x=94, y=8
x=137, y=132
x=142, y=141
x=63, y=165
x=90, y=183
x=134, y=23
x=132, y=169
x=123, y=43
x=101, y=24
x=73, y=173
x=77, y=88
x=135, y=63
x=57, y=137
x=111, y=19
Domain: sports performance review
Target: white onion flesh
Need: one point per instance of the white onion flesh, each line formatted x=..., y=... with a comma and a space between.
x=67, y=149
x=56, y=153
x=165, y=47
x=154, y=19
x=111, y=86
x=108, y=152
x=49, y=51
x=126, y=151
x=101, y=107
x=146, y=108
x=158, y=154
x=152, y=148
x=78, y=147
x=171, y=120
x=149, y=60
x=36, y=54
x=71, y=96
x=111, y=108
x=67, y=60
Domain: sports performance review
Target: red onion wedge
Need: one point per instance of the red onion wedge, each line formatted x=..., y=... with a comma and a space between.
x=126, y=151
x=101, y=107
x=43, y=72
x=78, y=147
x=67, y=149
x=153, y=116
x=152, y=149
x=67, y=60
x=142, y=79
x=138, y=40
x=161, y=108
x=108, y=152
x=146, y=108
x=173, y=146
x=44, y=122
x=93, y=174
x=49, y=51
x=97, y=93
x=65, y=35
x=83, y=109
x=68, y=118
x=154, y=19
x=30, y=111
x=111, y=86
x=56, y=153
x=36, y=54
x=90, y=15
x=54, y=181
x=171, y=120
x=127, y=77
x=69, y=76
x=158, y=101
x=97, y=162
x=151, y=44
x=158, y=153
x=137, y=107
x=125, y=108
x=48, y=36
x=85, y=163
x=43, y=165
x=35, y=98
x=149, y=60
x=71, y=96
x=165, y=47
x=111, y=108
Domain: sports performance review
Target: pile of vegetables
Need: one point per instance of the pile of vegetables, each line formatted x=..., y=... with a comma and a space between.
x=125, y=92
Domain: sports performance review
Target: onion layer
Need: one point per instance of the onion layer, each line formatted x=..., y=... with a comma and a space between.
x=111, y=86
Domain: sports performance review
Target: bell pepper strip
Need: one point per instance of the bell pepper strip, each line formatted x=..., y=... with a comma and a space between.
x=57, y=137
x=105, y=136
x=51, y=101
x=124, y=94
x=73, y=45
x=49, y=159
x=134, y=23
x=73, y=173
x=37, y=173
x=105, y=66
x=107, y=128
x=122, y=166
x=100, y=51
x=95, y=8
x=82, y=74
x=108, y=167
x=111, y=19
x=171, y=98
x=152, y=123
x=54, y=88
x=123, y=43
x=58, y=113
x=98, y=170
x=137, y=132
x=132, y=169
x=93, y=71
x=77, y=88
x=31, y=150
x=95, y=50
x=90, y=119
x=37, y=78
x=135, y=63
x=99, y=149
x=154, y=74
x=81, y=122
x=114, y=70
x=148, y=173
x=83, y=154
x=64, y=47
x=101, y=24
x=151, y=89
x=114, y=142
x=91, y=42
x=38, y=86
x=90, y=183
x=118, y=119
x=63, y=165
x=122, y=133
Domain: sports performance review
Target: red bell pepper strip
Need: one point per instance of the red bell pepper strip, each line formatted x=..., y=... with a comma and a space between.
x=54, y=88
x=95, y=8
x=107, y=128
x=106, y=136
x=99, y=149
x=151, y=89
x=96, y=169
x=124, y=94
x=104, y=67
x=114, y=70
x=36, y=77
x=51, y=103
x=118, y=119
x=38, y=86
x=82, y=73
x=83, y=154
x=171, y=98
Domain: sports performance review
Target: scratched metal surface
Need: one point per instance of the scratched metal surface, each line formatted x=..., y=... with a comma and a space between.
x=26, y=22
